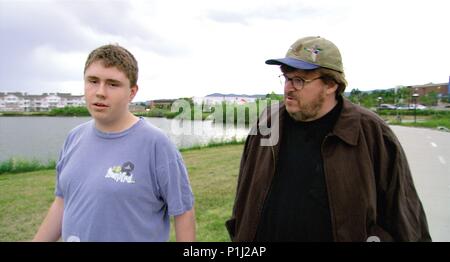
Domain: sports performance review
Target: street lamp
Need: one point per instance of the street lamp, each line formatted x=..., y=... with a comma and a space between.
x=415, y=96
x=396, y=100
x=379, y=103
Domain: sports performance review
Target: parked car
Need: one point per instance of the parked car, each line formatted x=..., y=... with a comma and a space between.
x=387, y=106
x=412, y=106
x=420, y=107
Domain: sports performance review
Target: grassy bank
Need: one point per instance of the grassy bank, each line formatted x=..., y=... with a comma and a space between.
x=233, y=141
x=431, y=121
x=25, y=197
x=16, y=165
x=65, y=111
x=24, y=200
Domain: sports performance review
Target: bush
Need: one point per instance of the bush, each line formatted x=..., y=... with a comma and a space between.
x=426, y=112
x=17, y=165
x=69, y=111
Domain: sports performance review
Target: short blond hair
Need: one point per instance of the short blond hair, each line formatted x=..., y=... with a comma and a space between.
x=117, y=56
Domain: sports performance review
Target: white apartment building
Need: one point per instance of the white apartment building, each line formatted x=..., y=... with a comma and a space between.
x=214, y=99
x=22, y=102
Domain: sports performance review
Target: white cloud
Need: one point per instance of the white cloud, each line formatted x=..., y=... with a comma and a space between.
x=197, y=47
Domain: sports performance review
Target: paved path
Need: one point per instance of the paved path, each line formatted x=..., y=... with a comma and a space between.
x=428, y=153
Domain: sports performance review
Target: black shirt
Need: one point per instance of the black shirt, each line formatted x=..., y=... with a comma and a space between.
x=296, y=207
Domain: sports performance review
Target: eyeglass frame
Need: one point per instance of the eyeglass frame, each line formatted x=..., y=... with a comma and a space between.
x=297, y=78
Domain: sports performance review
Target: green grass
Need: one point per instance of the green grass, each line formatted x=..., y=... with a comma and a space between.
x=26, y=197
x=233, y=141
x=24, y=200
x=421, y=121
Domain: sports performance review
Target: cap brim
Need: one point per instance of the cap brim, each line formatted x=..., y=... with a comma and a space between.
x=292, y=62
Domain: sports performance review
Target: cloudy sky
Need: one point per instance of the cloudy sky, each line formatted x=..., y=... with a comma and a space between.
x=198, y=47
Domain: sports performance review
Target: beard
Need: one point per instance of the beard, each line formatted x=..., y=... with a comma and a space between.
x=308, y=111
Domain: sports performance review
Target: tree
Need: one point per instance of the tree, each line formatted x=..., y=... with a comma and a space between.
x=404, y=95
x=430, y=99
x=355, y=96
x=273, y=96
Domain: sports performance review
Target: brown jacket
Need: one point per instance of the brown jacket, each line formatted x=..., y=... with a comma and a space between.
x=370, y=189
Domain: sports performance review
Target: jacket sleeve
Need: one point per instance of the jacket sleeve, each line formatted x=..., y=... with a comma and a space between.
x=231, y=223
x=400, y=210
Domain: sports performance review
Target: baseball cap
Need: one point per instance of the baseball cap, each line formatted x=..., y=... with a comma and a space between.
x=310, y=53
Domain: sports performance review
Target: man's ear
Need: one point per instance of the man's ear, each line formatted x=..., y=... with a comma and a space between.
x=331, y=88
x=134, y=90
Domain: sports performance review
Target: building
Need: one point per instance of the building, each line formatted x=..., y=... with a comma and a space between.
x=216, y=98
x=23, y=102
x=440, y=89
x=161, y=103
x=137, y=107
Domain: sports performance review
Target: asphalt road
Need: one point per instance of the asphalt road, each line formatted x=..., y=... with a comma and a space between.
x=428, y=153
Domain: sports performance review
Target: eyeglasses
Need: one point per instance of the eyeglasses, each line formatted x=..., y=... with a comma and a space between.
x=297, y=81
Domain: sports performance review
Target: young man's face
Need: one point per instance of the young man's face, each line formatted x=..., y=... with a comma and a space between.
x=107, y=92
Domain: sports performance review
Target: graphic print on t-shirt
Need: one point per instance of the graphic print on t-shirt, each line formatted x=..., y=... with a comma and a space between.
x=121, y=173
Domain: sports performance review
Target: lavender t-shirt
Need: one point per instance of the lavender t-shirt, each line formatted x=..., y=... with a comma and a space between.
x=121, y=186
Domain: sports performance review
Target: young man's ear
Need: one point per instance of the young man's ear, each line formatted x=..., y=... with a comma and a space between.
x=133, y=92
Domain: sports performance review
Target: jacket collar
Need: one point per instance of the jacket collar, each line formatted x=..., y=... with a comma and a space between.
x=345, y=128
x=348, y=124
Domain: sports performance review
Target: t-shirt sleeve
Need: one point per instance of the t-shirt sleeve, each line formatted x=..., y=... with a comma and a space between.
x=58, y=189
x=174, y=183
x=60, y=165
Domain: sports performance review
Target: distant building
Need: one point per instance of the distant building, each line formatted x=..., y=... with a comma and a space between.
x=161, y=103
x=440, y=89
x=22, y=102
x=136, y=107
x=217, y=98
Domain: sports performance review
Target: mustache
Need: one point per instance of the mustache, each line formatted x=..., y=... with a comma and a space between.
x=291, y=94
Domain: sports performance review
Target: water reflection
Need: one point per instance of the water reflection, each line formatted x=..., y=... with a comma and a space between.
x=41, y=138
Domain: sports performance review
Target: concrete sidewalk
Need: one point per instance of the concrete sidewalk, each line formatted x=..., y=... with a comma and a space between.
x=428, y=153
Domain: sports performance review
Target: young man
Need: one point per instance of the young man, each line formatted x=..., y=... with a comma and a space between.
x=118, y=177
x=338, y=172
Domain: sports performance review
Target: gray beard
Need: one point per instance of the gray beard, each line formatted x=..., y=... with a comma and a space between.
x=308, y=112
